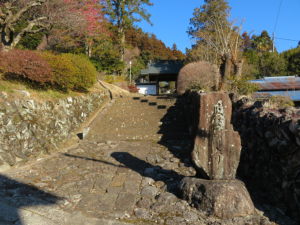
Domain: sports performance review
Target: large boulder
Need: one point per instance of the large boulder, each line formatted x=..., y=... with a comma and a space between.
x=200, y=74
x=216, y=148
x=223, y=199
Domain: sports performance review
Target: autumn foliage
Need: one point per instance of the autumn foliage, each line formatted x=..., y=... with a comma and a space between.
x=200, y=75
x=65, y=71
x=26, y=65
x=133, y=89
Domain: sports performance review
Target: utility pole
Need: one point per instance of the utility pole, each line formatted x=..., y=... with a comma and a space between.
x=273, y=41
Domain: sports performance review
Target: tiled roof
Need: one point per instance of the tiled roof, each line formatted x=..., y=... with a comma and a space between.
x=163, y=67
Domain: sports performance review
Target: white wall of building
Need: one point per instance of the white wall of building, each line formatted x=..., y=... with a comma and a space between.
x=147, y=89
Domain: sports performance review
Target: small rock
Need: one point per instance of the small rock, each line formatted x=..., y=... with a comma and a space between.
x=167, y=198
x=24, y=93
x=170, y=166
x=192, y=170
x=174, y=160
x=168, y=156
x=179, y=207
x=144, y=203
x=158, y=207
x=80, y=150
x=142, y=213
x=149, y=191
x=159, y=184
x=41, y=185
x=181, y=165
x=147, y=181
x=189, y=216
x=160, y=161
x=46, y=178
x=151, y=158
x=164, y=188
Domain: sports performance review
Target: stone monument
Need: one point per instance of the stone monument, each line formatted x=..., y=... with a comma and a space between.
x=215, y=155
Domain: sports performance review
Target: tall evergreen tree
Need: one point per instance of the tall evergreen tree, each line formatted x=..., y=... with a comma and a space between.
x=123, y=14
x=246, y=41
x=211, y=10
x=264, y=34
x=217, y=39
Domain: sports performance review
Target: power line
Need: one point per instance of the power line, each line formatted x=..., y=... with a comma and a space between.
x=278, y=15
x=286, y=39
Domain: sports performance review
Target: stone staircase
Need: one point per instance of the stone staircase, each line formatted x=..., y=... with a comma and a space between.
x=142, y=118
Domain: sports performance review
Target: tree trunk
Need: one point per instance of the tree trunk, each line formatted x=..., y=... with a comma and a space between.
x=122, y=45
x=238, y=68
x=122, y=31
x=6, y=41
x=6, y=48
x=88, y=50
x=226, y=72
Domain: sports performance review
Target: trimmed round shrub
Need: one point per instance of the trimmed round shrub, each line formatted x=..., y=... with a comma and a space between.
x=70, y=71
x=64, y=72
x=86, y=74
x=198, y=75
x=26, y=64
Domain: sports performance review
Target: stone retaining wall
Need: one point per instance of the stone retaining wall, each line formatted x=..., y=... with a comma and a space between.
x=29, y=129
x=270, y=157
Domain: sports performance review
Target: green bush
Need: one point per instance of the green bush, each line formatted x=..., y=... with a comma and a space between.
x=242, y=86
x=70, y=71
x=86, y=72
x=281, y=101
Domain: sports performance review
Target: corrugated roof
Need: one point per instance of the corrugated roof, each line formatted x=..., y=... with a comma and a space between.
x=294, y=95
x=278, y=83
x=163, y=67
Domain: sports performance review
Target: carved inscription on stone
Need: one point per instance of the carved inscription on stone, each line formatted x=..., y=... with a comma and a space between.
x=217, y=146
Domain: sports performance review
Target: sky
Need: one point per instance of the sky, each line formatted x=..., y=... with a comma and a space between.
x=171, y=19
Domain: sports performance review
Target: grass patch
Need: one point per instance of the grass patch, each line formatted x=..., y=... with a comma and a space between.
x=11, y=87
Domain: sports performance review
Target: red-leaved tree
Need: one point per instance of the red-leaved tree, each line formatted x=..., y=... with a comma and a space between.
x=25, y=64
x=81, y=18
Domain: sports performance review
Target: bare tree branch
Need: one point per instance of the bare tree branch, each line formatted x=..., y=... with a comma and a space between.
x=26, y=8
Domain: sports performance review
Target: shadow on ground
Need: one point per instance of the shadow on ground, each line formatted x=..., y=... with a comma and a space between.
x=174, y=129
x=169, y=177
x=14, y=195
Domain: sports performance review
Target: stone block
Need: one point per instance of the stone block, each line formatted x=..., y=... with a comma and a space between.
x=118, y=180
x=223, y=199
x=125, y=202
x=217, y=146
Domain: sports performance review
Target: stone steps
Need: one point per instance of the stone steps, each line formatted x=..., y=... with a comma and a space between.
x=142, y=118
